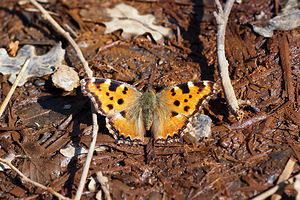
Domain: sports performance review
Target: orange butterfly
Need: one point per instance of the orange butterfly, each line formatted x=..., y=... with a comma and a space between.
x=130, y=113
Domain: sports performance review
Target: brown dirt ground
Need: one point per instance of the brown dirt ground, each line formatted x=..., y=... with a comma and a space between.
x=239, y=161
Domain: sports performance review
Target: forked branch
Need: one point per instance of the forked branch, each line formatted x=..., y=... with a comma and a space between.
x=222, y=18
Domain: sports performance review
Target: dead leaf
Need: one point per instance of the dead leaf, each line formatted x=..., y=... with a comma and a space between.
x=127, y=18
x=40, y=166
x=38, y=66
x=72, y=150
x=92, y=186
x=288, y=19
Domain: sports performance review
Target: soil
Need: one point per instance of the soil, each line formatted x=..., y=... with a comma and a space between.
x=241, y=159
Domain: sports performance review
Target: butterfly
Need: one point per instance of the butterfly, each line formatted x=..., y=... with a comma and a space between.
x=130, y=113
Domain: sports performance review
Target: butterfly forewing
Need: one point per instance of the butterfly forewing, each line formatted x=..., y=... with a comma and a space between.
x=176, y=104
x=119, y=102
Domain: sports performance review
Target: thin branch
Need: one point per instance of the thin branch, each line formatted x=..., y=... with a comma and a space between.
x=285, y=174
x=219, y=7
x=14, y=86
x=89, y=156
x=60, y=30
x=89, y=72
x=277, y=187
x=24, y=178
x=222, y=18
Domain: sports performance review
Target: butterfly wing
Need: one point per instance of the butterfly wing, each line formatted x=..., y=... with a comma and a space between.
x=120, y=103
x=176, y=105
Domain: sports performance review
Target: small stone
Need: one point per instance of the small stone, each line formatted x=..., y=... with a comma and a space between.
x=199, y=128
x=65, y=78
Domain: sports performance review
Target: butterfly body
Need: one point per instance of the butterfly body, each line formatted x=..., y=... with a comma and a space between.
x=130, y=113
x=148, y=104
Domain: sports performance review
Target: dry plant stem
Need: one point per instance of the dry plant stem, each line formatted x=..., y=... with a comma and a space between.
x=222, y=18
x=13, y=87
x=297, y=188
x=90, y=74
x=89, y=156
x=24, y=178
x=65, y=34
x=277, y=187
x=286, y=173
x=104, y=185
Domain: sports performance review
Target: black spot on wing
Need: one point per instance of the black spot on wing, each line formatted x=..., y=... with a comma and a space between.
x=185, y=100
x=176, y=103
x=173, y=92
x=107, y=93
x=186, y=108
x=110, y=106
x=125, y=90
x=123, y=113
x=200, y=85
x=111, y=98
x=97, y=80
x=173, y=114
x=98, y=86
x=120, y=101
x=114, y=85
x=184, y=88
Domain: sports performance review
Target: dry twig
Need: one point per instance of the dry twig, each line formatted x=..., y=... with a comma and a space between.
x=286, y=173
x=297, y=188
x=60, y=30
x=277, y=187
x=14, y=86
x=94, y=115
x=222, y=18
x=103, y=181
x=24, y=178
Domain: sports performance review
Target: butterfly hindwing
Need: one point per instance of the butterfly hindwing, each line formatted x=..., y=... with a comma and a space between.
x=120, y=103
x=176, y=105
